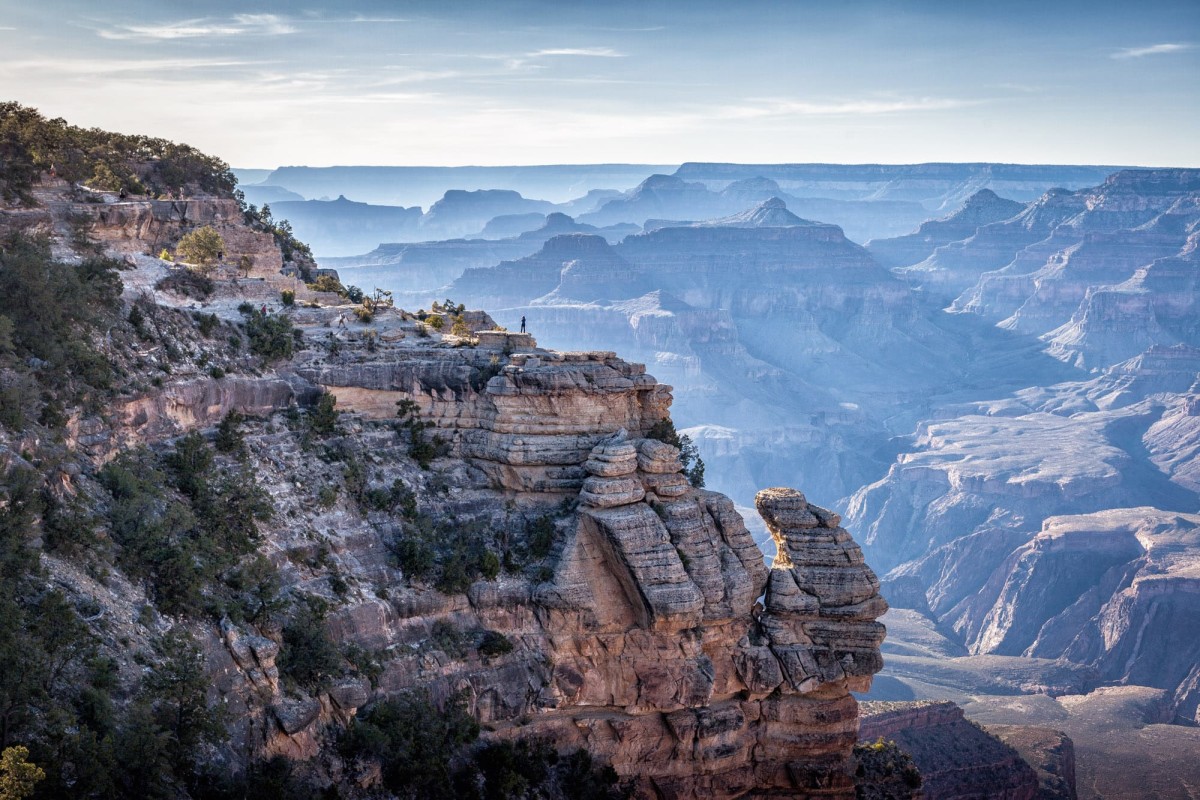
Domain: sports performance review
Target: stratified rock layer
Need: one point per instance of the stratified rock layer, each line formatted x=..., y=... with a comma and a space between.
x=647, y=646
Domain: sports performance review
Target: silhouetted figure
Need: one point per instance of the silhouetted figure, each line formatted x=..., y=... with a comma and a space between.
x=522, y=324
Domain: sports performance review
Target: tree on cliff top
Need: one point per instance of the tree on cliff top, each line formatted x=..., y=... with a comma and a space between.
x=30, y=144
x=201, y=247
x=693, y=466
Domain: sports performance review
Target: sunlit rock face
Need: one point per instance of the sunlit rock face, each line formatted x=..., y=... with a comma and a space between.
x=774, y=328
x=660, y=640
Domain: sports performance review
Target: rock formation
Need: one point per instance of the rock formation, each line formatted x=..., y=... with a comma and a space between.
x=957, y=759
x=342, y=227
x=982, y=208
x=748, y=700
x=652, y=634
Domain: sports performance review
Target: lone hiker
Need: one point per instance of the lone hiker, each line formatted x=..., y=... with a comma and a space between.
x=522, y=323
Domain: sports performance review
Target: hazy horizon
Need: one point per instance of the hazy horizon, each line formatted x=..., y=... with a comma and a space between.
x=531, y=83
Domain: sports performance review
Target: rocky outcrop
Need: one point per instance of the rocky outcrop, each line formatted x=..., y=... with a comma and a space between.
x=1156, y=306
x=661, y=642
x=185, y=406
x=982, y=208
x=956, y=758
x=148, y=226
x=1050, y=752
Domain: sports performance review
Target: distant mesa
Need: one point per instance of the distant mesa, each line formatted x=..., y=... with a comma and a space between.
x=265, y=195
x=772, y=213
x=509, y=225
x=982, y=208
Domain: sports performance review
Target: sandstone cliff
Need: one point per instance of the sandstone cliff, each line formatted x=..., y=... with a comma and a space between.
x=644, y=627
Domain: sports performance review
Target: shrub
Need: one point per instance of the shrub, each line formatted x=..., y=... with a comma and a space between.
x=201, y=247
x=229, y=434
x=287, y=297
x=18, y=777
x=207, y=323
x=271, y=335
x=435, y=321
x=308, y=657
x=414, y=742
x=540, y=535
x=327, y=496
x=489, y=565
x=416, y=559
x=322, y=420
x=494, y=644
x=481, y=375
x=445, y=636
x=187, y=283
x=327, y=283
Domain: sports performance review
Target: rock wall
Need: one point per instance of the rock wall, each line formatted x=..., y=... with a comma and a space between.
x=956, y=758
x=661, y=642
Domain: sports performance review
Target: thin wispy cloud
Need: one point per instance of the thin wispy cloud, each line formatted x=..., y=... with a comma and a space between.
x=83, y=67
x=1152, y=50
x=784, y=108
x=595, y=52
x=204, y=27
x=383, y=20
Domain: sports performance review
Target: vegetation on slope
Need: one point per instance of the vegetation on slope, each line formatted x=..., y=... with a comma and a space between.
x=31, y=144
x=51, y=317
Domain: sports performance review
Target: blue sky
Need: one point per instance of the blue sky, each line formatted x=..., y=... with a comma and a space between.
x=267, y=84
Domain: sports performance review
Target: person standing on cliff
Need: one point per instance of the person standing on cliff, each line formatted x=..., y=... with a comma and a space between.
x=522, y=323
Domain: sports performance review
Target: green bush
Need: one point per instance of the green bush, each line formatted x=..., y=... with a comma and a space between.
x=414, y=742
x=416, y=559
x=494, y=644
x=202, y=247
x=272, y=336
x=50, y=314
x=287, y=297
x=207, y=323
x=327, y=496
x=540, y=533
x=186, y=283
x=308, y=658
x=322, y=419
x=327, y=283
x=229, y=434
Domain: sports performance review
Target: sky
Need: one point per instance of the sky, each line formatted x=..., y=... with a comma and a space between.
x=494, y=82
